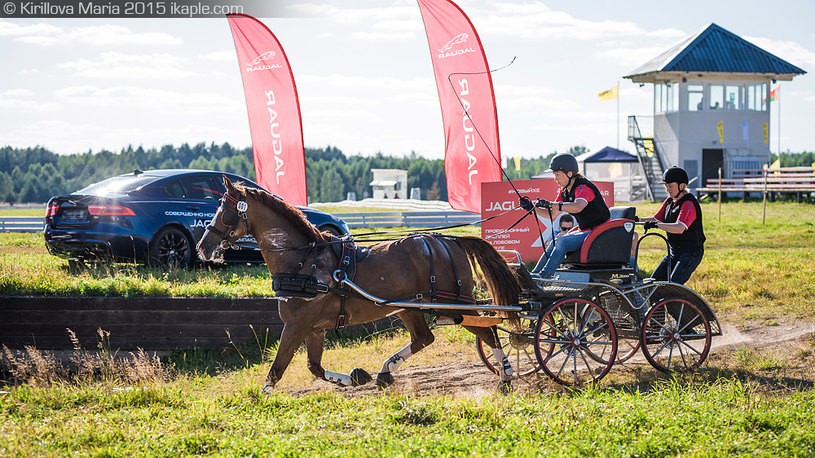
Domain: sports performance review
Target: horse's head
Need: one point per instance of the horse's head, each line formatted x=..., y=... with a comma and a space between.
x=228, y=225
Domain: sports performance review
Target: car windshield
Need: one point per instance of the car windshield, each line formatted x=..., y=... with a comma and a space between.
x=118, y=185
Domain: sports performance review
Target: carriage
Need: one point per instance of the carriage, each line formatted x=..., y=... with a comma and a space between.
x=598, y=311
x=594, y=313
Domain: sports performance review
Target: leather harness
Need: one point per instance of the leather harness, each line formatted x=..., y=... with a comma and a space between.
x=348, y=253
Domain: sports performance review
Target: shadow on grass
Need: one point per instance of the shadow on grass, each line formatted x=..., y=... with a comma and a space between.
x=648, y=380
x=261, y=351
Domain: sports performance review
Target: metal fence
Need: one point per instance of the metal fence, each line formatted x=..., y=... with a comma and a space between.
x=408, y=219
x=22, y=223
x=354, y=220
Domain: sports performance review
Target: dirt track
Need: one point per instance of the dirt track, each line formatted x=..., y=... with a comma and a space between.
x=792, y=342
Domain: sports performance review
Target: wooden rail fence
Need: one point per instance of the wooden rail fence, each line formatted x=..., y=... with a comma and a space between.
x=800, y=180
x=150, y=323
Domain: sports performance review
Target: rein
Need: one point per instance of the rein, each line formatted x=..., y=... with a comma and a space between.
x=432, y=229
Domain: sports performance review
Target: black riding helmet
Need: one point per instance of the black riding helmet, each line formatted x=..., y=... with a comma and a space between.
x=564, y=162
x=675, y=175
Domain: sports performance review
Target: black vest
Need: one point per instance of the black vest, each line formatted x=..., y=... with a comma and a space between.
x=595, y=213
x=694, y=236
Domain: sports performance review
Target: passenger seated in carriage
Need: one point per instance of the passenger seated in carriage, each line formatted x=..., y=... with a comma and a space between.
x=578, y=197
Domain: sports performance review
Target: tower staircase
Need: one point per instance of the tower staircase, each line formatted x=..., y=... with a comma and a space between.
x=650, y=160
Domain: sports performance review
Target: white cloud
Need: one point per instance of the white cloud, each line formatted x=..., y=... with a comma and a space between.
x=16, y=93
x=116, y=65
x=792, y=52
x=127, y=98
x=371, y=24
x=21, y=101
x=219, y=56
x=631, y=57
x=104, y=35
x=13, y=29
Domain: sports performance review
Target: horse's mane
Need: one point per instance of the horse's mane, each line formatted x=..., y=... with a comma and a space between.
x=294, y=216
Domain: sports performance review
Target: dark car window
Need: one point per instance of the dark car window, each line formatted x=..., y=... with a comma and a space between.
x=195, y=187
x=173, y=190
x=117, y=185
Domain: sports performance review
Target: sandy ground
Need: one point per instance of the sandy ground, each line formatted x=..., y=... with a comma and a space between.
x=791, y=342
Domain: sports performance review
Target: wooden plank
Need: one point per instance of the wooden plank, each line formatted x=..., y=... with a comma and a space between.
x=134, y=303
x=45, y=317
x=151, y=323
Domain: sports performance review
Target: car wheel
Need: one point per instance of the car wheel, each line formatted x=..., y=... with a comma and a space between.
x=331, y=230
x=170, y=249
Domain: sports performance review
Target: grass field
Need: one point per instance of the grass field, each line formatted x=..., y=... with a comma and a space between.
x=11, y=211
x=747, y=264
x=747, y=400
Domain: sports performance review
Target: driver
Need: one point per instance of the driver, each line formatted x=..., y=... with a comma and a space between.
x=578, y=197
x=681, y=217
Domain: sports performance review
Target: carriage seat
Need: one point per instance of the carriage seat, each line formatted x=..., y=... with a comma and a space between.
x=609, y=244
x=623, y=213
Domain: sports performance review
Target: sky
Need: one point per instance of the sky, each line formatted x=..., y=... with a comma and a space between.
x=365, y=78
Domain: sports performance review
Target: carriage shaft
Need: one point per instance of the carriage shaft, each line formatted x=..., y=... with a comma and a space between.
x=432, y=305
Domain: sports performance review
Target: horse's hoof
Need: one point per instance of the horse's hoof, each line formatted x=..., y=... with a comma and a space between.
x=359, y=377
x=268, y=388
x=384, y=380
x=504, y=386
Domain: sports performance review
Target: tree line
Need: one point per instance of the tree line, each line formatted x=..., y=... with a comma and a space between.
x=36, y=174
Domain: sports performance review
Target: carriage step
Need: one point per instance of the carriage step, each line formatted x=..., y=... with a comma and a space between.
x=468, y=320
x=551, y=292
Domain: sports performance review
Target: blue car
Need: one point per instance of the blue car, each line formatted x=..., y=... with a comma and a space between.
x=154, y=217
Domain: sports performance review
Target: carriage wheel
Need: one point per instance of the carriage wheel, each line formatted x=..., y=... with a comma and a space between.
x=570, y=339
x=676, y=336
x=518, y=343
x=626, y=349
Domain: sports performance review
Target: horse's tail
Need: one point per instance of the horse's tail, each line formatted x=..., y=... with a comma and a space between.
x=500, y=280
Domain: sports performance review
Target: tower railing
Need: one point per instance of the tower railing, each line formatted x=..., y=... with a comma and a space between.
x=647, y=153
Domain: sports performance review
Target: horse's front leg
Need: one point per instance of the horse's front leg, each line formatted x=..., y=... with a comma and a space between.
x=290, y=340
x=420, y=337
x=315, y=344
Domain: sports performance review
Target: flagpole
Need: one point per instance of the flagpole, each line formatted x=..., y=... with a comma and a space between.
x=779, y=124
x=618, y=114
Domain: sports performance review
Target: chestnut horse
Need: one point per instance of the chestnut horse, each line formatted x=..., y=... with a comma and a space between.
x=394, y=270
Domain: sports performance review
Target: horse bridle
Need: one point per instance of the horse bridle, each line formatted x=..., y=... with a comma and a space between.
x=230, y=218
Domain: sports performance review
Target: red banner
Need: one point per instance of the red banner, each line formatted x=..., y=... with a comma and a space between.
x=456, y=52
x=525, y=238
x=274, y=110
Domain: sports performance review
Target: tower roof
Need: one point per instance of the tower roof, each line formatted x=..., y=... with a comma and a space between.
x=715, y=50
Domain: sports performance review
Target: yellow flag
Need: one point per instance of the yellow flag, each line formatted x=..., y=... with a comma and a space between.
x=517, y=160
x=776, y=164
x=720, y=128
x=766, y=134
x=610, y=94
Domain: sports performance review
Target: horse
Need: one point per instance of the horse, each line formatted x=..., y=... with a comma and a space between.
x=401, y=269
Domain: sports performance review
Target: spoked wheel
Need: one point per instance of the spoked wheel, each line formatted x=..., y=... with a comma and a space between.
x=518, y=343
x=676, y=336
x=575, y=342
x=627, y=348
